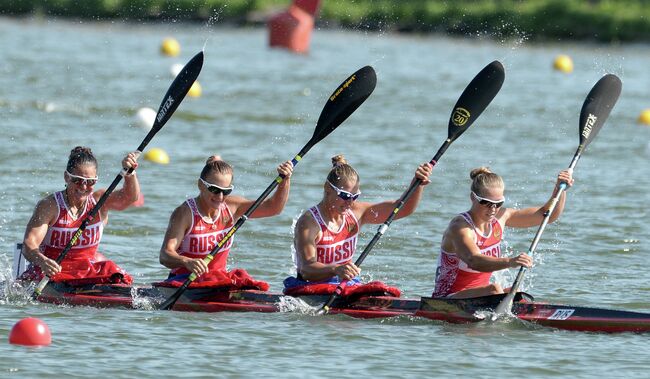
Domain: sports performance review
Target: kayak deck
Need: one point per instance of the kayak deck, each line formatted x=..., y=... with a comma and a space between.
x=567, y=317
x=369, y=306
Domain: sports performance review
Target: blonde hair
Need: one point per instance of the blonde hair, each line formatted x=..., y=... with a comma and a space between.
x=214, y=163
x=341, y=171
x=482, y=178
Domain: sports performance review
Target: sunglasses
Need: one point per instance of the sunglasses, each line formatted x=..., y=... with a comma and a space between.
x=488, y=202
x=345, y=195
x=76, y=179
x=215, y=189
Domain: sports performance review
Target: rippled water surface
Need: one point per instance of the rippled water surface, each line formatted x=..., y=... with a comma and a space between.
x=74, y=83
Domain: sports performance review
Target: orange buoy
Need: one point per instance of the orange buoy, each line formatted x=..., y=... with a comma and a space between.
x=30, y=332
x=292, y=28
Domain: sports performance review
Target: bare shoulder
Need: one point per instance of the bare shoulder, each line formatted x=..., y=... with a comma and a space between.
x=46, y=208
x=458, y=224
x=306, y=222
x=181, y=216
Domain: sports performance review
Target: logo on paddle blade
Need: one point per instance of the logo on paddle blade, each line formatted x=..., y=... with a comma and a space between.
x=165, y=107
x=460, y=116
x=342, y=87
x=591, y=121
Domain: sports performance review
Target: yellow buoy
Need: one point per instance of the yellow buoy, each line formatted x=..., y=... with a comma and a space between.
x=157, y=155
x=563, y=63
x=195, y=90
x=644, y=117
x=170, y=47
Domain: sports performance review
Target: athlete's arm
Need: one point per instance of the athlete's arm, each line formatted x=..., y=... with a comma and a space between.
x=44, y=215
x=306, y=234
x=179, y=223
x=527, y=217
x=378, y=212
x=462, y=239
x=128, y=194
x=272, y=205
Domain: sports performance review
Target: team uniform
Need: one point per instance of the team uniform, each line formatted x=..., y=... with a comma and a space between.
x=334, y=246
x=203, y=236
x=83, y=264
x=453, y=275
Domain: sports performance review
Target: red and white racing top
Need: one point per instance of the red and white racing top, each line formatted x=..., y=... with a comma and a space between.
x=453, y=275
x=336, y=246
x=203, y=236
x=61, y=232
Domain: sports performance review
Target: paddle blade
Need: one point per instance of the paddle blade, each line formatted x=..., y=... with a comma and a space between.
x=178, y=89
x=344, y=101
x=597, y=106
x=475, y=98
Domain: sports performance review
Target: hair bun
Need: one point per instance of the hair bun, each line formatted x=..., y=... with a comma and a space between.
x=479, y=171
x=213, y=158
x=80, y=150
x=339, y=160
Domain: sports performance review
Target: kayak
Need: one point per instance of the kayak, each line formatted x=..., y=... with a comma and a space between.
x=215, y=300
x=567, y=317
x=367, y=306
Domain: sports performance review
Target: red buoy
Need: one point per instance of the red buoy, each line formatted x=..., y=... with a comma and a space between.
x=30, y=332
x=292, y=28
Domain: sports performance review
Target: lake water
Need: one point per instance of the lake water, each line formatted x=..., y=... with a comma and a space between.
x=65, y=83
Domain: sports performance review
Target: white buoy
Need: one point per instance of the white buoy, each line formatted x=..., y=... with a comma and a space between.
x=176, y=69
x=144, y=118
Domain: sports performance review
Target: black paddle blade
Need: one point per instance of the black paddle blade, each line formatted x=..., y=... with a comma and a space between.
x=475, y=98
x=344, y=101
x=178, y=89
x=597, y=106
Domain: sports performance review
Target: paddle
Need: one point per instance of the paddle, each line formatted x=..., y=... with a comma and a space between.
x=340, y=105
x=594, y=113
x=175, y=94
x=472, y=102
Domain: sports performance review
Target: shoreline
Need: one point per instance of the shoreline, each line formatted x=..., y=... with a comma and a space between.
x=540, y=20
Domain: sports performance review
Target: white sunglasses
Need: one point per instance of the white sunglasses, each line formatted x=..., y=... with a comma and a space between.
x=76, y=179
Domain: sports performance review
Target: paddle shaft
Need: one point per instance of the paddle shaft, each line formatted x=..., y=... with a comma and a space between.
x=506, y=303
x=384, y=227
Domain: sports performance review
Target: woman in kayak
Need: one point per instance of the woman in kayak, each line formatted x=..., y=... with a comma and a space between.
x=471, y=244
x=199, y=224
x=58, y=216
x=325, y=236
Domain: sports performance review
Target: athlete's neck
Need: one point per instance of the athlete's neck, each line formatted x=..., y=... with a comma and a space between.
x=330, y=215
x=482, y=222
x=78, y=203
x=205, y=209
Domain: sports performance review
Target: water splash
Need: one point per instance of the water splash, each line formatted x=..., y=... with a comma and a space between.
x=143, y=301
x=11, y=291
x=292, y=304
